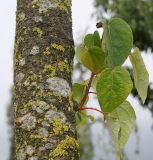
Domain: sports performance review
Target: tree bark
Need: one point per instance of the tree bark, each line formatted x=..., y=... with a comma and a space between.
x=44, y=116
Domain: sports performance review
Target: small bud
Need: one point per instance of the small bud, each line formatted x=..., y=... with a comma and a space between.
x=99, y=25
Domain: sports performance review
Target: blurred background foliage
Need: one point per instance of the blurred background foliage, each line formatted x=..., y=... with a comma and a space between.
x=138, y=14
x=11, y=128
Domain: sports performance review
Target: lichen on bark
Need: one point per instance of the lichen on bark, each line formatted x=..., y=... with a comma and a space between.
x=43, y=111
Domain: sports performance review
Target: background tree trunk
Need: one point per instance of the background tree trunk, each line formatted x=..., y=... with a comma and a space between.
x=44, y=116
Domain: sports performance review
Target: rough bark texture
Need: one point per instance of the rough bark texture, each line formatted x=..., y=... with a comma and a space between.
x=44, y=115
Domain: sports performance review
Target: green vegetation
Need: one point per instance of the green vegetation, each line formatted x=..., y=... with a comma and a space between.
x=104, y=57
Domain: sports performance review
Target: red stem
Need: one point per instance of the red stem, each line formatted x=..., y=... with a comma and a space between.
x=91, y=108
x=86, y=91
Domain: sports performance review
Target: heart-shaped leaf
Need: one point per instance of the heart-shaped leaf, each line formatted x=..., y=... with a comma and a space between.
x=113, y=87
x=92, y=58
x=117, y=41
x=92, y=40
x=121, y=122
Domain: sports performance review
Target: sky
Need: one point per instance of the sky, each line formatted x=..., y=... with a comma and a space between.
x=7, y=30
x=81, y=13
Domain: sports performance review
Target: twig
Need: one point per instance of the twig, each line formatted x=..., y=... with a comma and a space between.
x=86, y=91
x=91, y=108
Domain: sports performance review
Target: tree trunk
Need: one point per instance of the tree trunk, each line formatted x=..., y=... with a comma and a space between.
x=44, y=115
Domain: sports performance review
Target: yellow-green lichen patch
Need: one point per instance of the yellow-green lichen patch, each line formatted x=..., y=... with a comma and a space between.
x=32, y=81
x=37, y=136
x=38, y=105
x=41, y=93
x=67, y=3
x=65, y=127
x=34, y=3
x=15, y=107
x=64, y=66
x=17, y=56
x=53, y=114
x=70, y=99
x=69, y=144
x=21, y=154
x=17, y=44
x=59, y=47
x=49, y=70
x=19, y=40
x=47, y=51
x=39, y=120
x=59, y=127
x=64, y=6
x=20, y=17
x=44, y=5
x=31, y=78
x=38, y=31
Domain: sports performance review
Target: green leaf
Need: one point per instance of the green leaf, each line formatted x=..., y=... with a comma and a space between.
x=119, y=155
x=89, y=41
x=92, y=40
x=97, y=40
x=141, y=77
x=77, y=91
x=113, y=87
x=121, y=122
x=117, y=41
x=92, y=58
x=90, y=117
x=82, y=118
